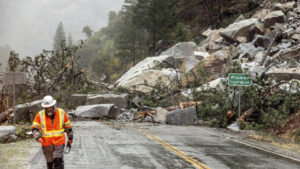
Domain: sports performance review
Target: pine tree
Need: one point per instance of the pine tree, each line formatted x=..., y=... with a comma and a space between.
x=59, y=37
x=156, y=17
x=70, y=40
x=87, y=31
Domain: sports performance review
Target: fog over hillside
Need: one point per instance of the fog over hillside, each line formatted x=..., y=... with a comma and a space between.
x=28, y=26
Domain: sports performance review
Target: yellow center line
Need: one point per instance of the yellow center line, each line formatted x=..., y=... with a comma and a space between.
x=186, y=157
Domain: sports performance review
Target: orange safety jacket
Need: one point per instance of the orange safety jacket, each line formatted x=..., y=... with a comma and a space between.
x=52, y=133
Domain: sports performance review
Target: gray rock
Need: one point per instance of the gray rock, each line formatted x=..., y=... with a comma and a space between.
x=145, y=70
x=219, y=83
x=200, y=55
x=259, y=56
x=160, y=115
x=298, y=30
x=291, y=86
x=284, y=45
x=293, y=64
x=5, y=132
x=213, y=38
x=98, y=111
x=77, y=100
x=240, y=18
x=288, y=33
x=284, y=73
x=126, y=116
x=27, y=111
x=136, y=101
x=247, y=50
x=278, y=27
x=148, y=119
x=285, y=7
x=261, y=14
x=253, y=69
x=263, y=41
x=297, y=10
x=290, y=54
x=296, y=37
x=283, y=65
x=182, y=49
x=274, y=17
x=241, y=29
x=120, y=101
x=186, y=116
x=188, y=64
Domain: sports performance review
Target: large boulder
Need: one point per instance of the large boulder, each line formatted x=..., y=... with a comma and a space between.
x=285, y=7
x=120, y=101
x=27, y=111
x=77, y=100
x=181, y=50
x=160, y=115
x=219, y=83
x=274, y=17
x=247, y=50
x=213, y=37
x=284, y=73
x=186, y=116
x=145, y=81
x=261, y=14
x=237, y=29
x=290, y=53
x=253, y=69
x=214, y=65
x=188, y=64
x=146, y=71
x=98, y=111
x=6, y=132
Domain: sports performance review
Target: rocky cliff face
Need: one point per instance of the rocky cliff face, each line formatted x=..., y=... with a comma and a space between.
x=268, y=43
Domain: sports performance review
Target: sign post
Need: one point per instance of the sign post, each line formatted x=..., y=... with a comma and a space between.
x=239, y=79
x=14, y=78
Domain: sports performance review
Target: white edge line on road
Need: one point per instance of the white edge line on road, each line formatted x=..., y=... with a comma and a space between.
x=260, y=148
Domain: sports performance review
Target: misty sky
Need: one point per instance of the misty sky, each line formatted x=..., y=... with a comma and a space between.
x=28, y=26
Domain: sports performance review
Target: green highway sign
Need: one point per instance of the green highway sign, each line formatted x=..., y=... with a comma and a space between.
x=239, y=79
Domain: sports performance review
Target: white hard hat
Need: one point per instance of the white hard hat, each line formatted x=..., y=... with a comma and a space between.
x=48, y=101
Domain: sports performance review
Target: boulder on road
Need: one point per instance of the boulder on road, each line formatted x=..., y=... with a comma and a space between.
x=77, y=100
x=120, y=101
x=186, y=116
x=27, y=111
x=98, y=111
x=160, y=115
x=6, y=132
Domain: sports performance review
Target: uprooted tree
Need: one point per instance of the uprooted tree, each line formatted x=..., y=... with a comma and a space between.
x=52, y=72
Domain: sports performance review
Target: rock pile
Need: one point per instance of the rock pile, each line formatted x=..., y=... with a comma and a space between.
x=267, y=42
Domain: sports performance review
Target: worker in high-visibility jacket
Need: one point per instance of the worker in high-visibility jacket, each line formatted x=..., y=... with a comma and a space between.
x=48, y=128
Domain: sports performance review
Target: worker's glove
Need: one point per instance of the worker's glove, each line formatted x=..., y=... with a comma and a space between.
x=40, y=140
x=69, y=144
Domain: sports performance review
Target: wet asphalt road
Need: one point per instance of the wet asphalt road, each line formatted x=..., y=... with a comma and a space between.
x=137, y=145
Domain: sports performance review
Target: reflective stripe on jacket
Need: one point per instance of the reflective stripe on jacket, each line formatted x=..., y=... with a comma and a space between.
x=52, y=133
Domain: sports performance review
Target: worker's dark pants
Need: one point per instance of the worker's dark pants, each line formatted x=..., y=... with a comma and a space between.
x=54, y=156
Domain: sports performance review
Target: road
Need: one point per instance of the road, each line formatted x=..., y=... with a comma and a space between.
x=99, y=145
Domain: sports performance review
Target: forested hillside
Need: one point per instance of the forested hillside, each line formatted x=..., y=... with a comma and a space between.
x=147, y=27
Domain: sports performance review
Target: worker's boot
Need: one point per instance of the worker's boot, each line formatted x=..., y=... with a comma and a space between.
x=58, y=163
x=50, y=165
